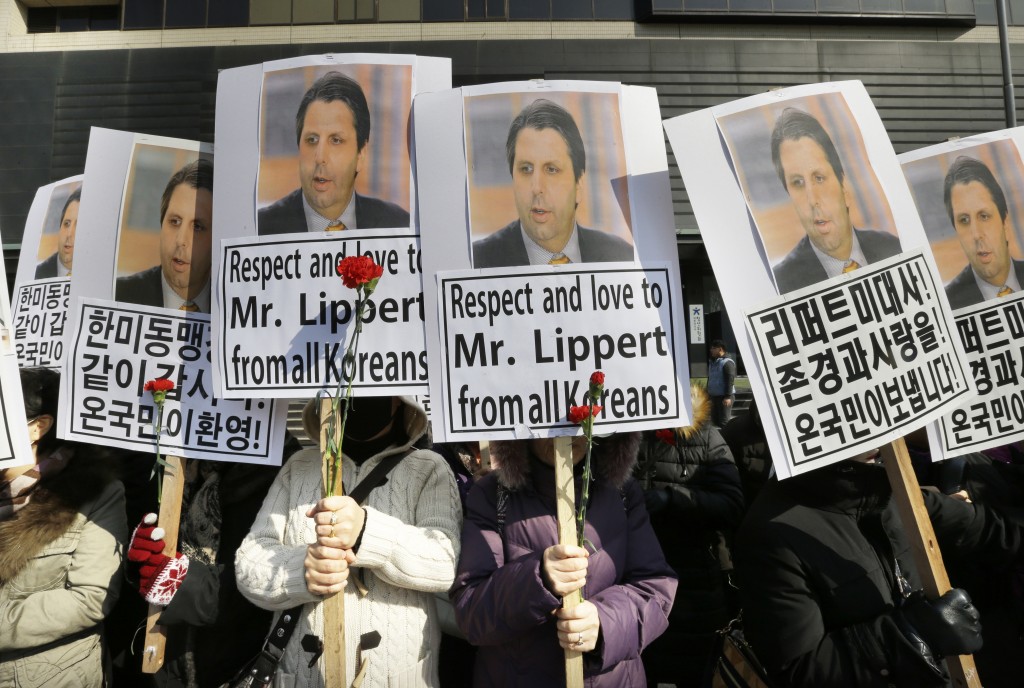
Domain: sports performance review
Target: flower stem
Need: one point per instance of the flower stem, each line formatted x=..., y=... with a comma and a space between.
x=349, y=359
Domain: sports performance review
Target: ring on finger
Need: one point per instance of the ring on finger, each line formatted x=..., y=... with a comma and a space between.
x=332, y=532
x=334, y=518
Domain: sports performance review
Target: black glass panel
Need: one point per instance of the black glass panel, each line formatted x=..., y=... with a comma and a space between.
x=476, y=9
x=530, y=9
x=143, y=14
x=105, y=18
x=228, y=13
x=496, y=9
x=572, y=9
x=750, y=5
x=74, y=19
x=667, y=4
x=613, y=9
x=443, y=10
x=882, y=6
x=185, y=13
x=795, y=6
x=705, y=5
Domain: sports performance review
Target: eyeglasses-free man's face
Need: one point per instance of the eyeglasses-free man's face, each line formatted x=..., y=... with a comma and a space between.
x=545, y=187
x=821, y=201
x=66, y=235
x=982, y=231
x=329, y=157
x=186, y=240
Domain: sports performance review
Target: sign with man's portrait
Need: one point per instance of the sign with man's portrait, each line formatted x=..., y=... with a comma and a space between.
x=42, y=284
x=799, y=192
x=550, y=220
x=968, y=193
x=141, y=295
x=317, y=166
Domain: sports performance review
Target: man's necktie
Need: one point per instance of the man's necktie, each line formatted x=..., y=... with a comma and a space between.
x=189, y=307
x=1005, y=291
x=338, y=226
x=850, y=266
x=559, y=259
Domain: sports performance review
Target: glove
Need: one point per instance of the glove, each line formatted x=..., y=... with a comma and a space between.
x=656, y=499
x=950, y=625
x=160, y=576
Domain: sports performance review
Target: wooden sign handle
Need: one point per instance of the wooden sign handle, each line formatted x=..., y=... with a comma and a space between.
x=918, y=527
x=485, y=456
x=334, y=606
x=565, y=492
x=170, y=518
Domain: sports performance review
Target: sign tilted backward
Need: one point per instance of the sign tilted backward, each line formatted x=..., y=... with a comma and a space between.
x=322, y=144
x=807, y=201
x=15, y=447
x=140, y=299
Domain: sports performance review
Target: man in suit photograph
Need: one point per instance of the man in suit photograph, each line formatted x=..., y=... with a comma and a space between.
x=182, y=279
x=809, y=167
x=60, y=262
x=977, y=208
x=332, y=128
x=546, y=159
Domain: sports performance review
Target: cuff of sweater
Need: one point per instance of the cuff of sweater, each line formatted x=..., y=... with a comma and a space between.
x=381, y=533
x=295, y=578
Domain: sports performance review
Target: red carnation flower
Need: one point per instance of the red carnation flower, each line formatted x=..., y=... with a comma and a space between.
x=160, y=385
x=578, y=414
x=597, y=378
x=666, y=436
x=355, y=271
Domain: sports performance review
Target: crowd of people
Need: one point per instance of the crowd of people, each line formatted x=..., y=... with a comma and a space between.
x=453, y=574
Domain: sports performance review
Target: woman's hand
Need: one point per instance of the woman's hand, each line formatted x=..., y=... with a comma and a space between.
x=338, y=522
x=327, y=569
x=564, y=569
x=579, y=628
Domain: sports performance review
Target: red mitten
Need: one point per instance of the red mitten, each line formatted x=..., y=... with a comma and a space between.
x=160, y=576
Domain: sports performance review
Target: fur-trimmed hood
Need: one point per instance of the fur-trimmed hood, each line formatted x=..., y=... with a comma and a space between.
x=701, y=410
x=613, y=459
x=415, y=420
x=52, y=509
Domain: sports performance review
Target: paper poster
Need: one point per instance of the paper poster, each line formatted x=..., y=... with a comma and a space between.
x=799, y=191
x=549, y=220
x=140, y=303
x=43, y=282
x=317, y=165
x=15, y=447
x=968, y=194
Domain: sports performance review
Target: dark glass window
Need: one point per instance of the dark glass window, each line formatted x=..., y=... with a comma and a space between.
x=41, y=20
x=443, y=10
x=73, y=19
x=365, y=10
x=667, y=5
x=496, y=9
x=106, y=18
x=476, y=9
x=228, y=13
x=705, y=5
x=143, y=14
x=750, y=5
x=839, y=6
x=532, y=9
x=881, y=6
x=572, y=9
x=613, y=9
x=185, y=13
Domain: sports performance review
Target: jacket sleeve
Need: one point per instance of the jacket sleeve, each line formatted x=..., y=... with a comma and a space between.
x=634, y=611
x=783, y=623
x=496, y=600
x=975, y=530
x=269, y=572
x=715, y=494
x=93, y=582
x=420, y=555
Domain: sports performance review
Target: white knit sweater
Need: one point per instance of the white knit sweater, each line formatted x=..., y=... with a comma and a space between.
x=409, y=550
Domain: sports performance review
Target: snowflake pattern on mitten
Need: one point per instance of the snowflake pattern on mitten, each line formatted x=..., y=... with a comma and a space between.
x=168, y=581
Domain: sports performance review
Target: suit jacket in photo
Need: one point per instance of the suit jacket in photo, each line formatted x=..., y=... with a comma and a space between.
x=144, y=288
x=287, y=215
x=801, y=268
x=47, y=268
x=963, y=291
x=505, y=248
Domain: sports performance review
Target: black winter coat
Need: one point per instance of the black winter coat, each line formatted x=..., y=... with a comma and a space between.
x=816, y=560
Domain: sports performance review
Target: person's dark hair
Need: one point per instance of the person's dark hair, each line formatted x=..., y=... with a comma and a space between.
x=334, y=86
x=965, y=170
x=717, y=342
x=793, y=125
x=543, y=114
x=198, y=174
x=76, y=196
x=40, y=387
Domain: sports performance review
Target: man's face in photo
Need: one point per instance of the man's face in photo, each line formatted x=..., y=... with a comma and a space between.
x=545, y=187
x=329, y=157
x=186, y=240
x=981, y=230
x=821, y=201
x=66, y=235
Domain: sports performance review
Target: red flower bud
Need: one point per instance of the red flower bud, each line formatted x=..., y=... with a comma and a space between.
x=597, y=378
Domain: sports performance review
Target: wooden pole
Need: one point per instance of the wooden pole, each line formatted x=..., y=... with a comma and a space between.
x=485, y=455
x=565, y=491
x=170, y=518
x=333, y=606
x=924, y=546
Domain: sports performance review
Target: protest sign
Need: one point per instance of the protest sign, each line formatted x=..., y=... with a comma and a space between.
x=967, y=192
x=42, y=284
x=140, y=300
x=807, y=200
x=556, y=195
x=316, y=166
x=15, y=448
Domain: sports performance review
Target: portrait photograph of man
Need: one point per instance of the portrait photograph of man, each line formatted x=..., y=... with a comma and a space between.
x=555, y=193
x=334, y=152
x=818, y=207
x=57, y=243
x=970, y=210
x=168, y=223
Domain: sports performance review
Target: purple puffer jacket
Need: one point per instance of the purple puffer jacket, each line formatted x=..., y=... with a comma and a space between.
x=501, y=602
